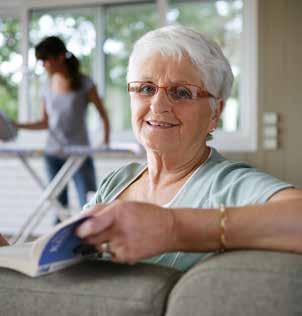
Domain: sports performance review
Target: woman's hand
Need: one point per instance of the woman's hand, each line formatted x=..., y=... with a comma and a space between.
x=134, y=230
x=3, y=241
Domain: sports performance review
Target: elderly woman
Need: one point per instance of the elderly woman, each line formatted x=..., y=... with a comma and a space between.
x=187, y=200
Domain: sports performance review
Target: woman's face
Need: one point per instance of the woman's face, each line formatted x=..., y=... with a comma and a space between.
x=161, y=124
x=52, y=64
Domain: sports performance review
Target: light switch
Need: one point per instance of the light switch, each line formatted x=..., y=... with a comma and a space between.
x=270, y=130
x=270, y=118
x=270, y=144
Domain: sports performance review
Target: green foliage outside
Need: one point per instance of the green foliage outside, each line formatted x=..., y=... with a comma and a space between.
x=205, y=17
x=10, y=36
x=124, y=24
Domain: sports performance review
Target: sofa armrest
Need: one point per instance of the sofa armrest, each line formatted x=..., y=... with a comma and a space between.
x=91, y=288
x=248, y=283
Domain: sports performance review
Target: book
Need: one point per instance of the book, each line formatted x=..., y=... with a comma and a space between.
x=54, y=251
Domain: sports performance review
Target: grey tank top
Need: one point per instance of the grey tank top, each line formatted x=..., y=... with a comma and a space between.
x=66, y=116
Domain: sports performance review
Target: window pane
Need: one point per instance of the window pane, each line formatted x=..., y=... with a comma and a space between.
x=10, y=65
x=222, y=22
x=124, y=25
x=76, y=28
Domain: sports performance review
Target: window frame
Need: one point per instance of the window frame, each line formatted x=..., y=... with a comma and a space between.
x=245, y=138
x=242, y=140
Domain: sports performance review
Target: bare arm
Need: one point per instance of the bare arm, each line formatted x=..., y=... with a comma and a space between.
x=275, y=225
x=97, y=101
x=139, y=230
x=38, y=125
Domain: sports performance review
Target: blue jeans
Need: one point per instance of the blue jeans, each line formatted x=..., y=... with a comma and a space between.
x=84, y=178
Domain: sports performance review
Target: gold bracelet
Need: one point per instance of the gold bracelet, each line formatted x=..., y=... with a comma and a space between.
x=222, y=224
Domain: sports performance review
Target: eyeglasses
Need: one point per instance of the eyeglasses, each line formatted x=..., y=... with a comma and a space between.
x=175, y=93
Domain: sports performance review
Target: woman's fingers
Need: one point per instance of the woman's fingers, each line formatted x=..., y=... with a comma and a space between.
x=100, y=238
x=134, y=230
x=94, y=209
x=100, y=220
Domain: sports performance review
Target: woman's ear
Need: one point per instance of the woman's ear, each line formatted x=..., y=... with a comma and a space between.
x=216, y=114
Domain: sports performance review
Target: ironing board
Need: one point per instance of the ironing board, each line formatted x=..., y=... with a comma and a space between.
x=76, y=156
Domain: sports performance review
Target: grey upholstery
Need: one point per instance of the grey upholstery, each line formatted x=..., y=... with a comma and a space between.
x=235, y=283
x=90, y=288
x=249, y=283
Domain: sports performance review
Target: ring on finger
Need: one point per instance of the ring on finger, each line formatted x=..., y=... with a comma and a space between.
x=105, y=247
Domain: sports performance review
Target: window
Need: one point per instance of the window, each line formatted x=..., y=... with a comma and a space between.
x=76, y=28
x=124, y=25
x=226, y=23
x=102, y=36
x=222, y=22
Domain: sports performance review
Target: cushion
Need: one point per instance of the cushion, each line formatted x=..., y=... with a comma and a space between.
x=248, y=283
x=89, y=288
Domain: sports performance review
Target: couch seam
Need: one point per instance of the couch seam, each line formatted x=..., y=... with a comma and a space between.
x=175, y=276
x=247, y=270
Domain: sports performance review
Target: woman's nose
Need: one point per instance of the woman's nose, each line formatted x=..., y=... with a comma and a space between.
x=160, y=102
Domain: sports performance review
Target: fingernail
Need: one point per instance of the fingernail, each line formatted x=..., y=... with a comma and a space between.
x=84, y=229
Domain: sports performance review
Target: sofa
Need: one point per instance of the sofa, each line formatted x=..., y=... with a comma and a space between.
x=249, y=283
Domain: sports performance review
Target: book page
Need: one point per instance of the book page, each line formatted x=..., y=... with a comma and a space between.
x=48, y=253
x=18, y=257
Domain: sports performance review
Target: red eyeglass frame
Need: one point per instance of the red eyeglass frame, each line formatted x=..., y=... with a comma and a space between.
x=200, y=92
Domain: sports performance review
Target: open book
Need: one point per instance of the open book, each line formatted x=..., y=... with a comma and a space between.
x=56, y=250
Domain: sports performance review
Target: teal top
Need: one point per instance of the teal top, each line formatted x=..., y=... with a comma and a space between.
x=216, y=181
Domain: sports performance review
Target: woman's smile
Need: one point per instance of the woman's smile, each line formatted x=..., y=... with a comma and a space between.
x=154, y=124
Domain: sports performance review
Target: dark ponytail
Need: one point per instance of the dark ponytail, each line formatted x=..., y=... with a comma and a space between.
x=53, y=46
x=73, y=69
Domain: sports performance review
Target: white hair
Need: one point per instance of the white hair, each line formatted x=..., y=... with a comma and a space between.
x=178, y=40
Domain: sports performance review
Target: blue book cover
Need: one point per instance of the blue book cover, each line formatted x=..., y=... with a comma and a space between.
x=62, y=245
x=55, y=251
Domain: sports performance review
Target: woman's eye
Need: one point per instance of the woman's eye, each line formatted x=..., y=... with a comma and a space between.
x=182, y=93
x=147, y=89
